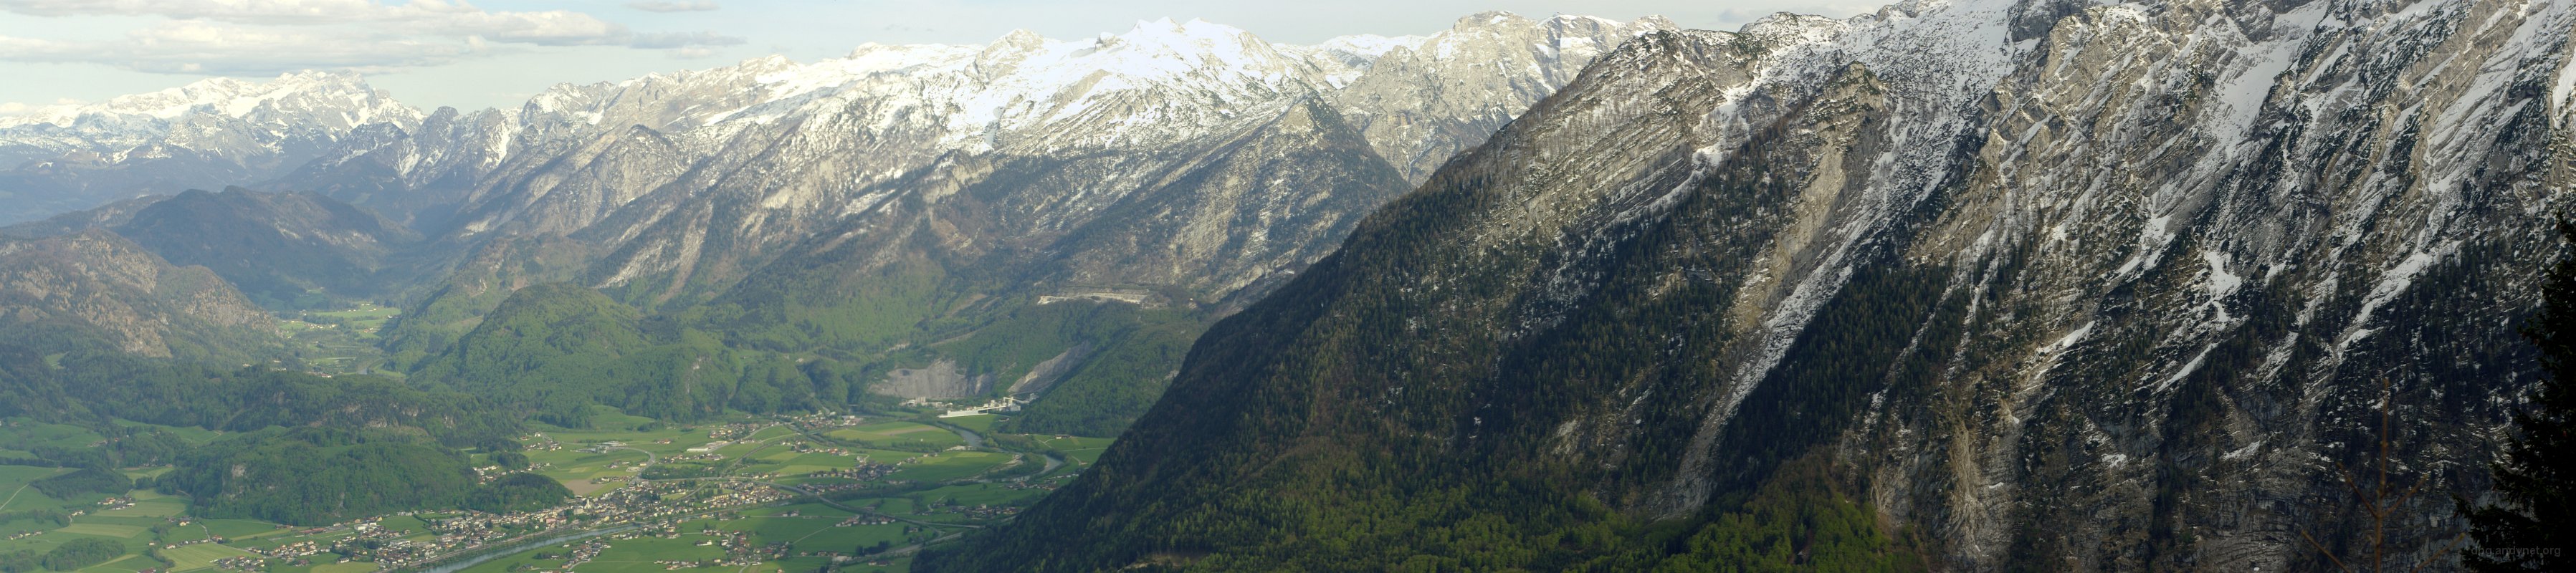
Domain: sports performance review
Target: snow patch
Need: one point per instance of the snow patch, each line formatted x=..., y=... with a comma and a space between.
x=2221, y=282
x=2241, y=453
x=2565, y=93
x=2071, y=338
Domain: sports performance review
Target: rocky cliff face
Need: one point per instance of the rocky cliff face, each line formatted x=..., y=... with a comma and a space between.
x=96, y=285
x=2057, y=285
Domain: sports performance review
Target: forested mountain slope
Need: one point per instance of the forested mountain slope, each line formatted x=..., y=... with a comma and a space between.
x=1981, y=283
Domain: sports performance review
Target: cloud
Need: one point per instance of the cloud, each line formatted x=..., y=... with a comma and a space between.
x=666, y=6
x=671, y=40
x=266, y=36
x=220, y=49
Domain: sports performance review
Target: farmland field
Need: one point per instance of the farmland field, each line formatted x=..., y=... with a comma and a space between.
x=933, y=479
x=187, y=557
x=981, y=424
x=946, y=466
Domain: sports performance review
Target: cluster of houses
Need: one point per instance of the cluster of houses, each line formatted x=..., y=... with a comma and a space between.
x=988, y=511
x=825, y=421
x=858, y=520
x=862, y=472
x=733, y=431
x=291, y=550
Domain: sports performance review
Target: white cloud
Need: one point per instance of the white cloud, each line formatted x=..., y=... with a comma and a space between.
x=267, y=36
x=220, y=49
x=673, y=40
x=667, y=6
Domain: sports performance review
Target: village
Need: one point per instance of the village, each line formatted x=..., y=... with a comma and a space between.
x=749, y=494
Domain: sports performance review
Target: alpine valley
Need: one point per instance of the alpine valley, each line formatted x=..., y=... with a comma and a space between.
x=1977, y=285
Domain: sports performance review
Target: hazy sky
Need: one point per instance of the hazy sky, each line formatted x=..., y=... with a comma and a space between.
x=431, y=53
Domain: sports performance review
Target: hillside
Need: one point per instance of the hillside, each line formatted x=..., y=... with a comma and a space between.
x=285, y=250
x=2000, y=285
x=66, y=292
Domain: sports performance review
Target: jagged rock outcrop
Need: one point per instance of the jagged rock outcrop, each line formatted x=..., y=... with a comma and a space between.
x=2065, y=286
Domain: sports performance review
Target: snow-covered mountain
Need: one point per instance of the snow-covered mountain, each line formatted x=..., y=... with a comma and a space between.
x=2042, y=284
x=692, y=180
x=689, y=182
x=206, y=134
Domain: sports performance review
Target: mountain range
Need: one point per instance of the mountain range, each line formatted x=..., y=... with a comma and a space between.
x=1956, y=284
x=1985, y=284
x=856, y=211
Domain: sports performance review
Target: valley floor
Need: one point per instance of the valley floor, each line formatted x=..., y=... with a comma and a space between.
x=742, y=495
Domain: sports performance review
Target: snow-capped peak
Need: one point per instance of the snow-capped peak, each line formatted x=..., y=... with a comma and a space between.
x=1368, y=46
x=320, y=91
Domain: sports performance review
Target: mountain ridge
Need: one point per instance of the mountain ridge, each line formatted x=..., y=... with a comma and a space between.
x=2077, y=286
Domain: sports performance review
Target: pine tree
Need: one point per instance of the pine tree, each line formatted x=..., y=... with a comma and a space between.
x=2536, y=482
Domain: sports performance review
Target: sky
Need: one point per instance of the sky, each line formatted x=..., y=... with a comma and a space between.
x=497, y=53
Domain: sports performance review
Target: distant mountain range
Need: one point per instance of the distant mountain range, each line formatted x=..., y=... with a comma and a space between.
x=1957, y=284
x=859, y=210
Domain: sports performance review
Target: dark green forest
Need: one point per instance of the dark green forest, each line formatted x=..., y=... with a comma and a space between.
x=1123, y=357
x=552, y=350
x=317, y=476
x=84, y=481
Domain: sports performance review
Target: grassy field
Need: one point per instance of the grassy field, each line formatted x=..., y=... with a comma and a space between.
x=981, y=424
x=849, y=540
x=580, y=470
x=887, y=505
x=801, y=509
x=982, y=494
x=187, y=557
x=785, y=463
x=366, y=317
x=149, y=504
x=238, y=529
x=131, y=536
x=905, y=434
x=642, y=554
x=946, y=466
x=20, y=436
x=768, y=452
x=898, y=565
x=103, y=530
x=789, y=529
x=14, y=493
x=352, y=567
x=504, y=564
